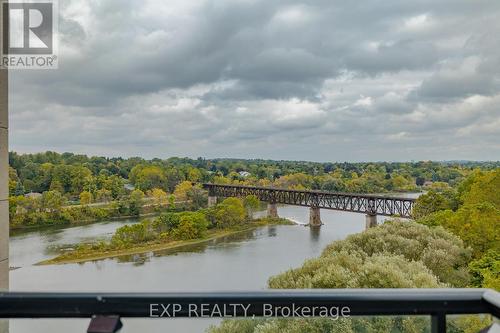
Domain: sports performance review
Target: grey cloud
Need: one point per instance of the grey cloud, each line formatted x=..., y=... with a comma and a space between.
x=280, y=79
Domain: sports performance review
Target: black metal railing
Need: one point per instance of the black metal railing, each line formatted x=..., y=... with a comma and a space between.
x=106, y=309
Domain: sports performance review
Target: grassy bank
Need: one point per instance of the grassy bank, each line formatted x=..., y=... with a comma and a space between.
x=79, y=256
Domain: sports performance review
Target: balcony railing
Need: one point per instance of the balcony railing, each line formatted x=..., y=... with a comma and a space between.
x=106, y=309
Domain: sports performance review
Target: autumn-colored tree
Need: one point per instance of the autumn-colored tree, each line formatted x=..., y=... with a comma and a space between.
x=159, y=196
x=85, y=198
x=181, y=191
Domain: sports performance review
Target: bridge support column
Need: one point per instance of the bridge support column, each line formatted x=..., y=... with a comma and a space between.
x=272, y=210
x=212, y=200
x=371, y=221
x=314, y=217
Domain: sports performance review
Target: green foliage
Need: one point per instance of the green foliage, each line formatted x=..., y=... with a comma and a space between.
x=192, y=225
x=251, y=203
x=135, y=202
x=70, y=174
x=486, y=270
x=477, y=225
x=85, y=198
x=229, y=212
x=394, y=255
x=52, y=200
x=432, y=202
x=132, y=234
x=147, y=177
x=388, y=253
x=484, y=188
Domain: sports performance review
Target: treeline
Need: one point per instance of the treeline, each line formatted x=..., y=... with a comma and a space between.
x=472, y=212
x=105, y=178
x=394, y=255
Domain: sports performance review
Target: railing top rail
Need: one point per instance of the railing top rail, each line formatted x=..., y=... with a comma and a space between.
x=364, y=195
x=360, y=302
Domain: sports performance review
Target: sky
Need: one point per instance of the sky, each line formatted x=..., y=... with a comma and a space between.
x=298, y=80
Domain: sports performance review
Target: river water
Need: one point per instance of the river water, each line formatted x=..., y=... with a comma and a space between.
x=234, y=263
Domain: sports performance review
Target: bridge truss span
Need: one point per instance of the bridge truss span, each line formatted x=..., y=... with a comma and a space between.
x=351, y=202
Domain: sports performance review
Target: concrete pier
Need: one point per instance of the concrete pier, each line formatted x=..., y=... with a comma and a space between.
x=371, y=221
x=272, y=210
x=212, y=201
x=314, y=217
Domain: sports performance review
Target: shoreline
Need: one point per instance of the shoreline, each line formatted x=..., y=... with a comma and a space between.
x=155, y=246
x=27, y=229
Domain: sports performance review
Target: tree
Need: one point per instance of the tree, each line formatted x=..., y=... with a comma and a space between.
x=477, y=225
x=192, y=225
x=147, y=177
x=181, y=191
x=135, y=202
x=252, y=203
x=85, y=198
x=19, y=189
x=485, y=188
x=56, y=185
x=52, y=201
x=159, y=196
x=171, y=201
x=230, y=212
x=193, y=174
x=104, y=195
x=114, y=184
x=79, y=177
x=486, y=270
x=429, y=203
x=198, y=197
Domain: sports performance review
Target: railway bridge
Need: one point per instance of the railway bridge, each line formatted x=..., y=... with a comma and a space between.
x=368, y=204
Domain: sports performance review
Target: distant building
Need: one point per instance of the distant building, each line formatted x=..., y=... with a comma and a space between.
x=428, y=183
x=129, y=186
x=244, y=173
x=33, y=195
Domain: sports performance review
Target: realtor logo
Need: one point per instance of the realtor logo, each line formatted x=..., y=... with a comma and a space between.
x=28, y=30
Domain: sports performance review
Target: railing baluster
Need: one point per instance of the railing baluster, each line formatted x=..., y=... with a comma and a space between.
x=438, y=323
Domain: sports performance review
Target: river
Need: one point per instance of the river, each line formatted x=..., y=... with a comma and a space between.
x=234, y=263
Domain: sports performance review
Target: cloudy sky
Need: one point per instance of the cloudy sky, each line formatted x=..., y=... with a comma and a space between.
x=320, y=80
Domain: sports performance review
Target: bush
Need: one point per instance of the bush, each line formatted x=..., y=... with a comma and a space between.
x=440, y=251
x=486, y=270
x=229, y=212
x=192, y=225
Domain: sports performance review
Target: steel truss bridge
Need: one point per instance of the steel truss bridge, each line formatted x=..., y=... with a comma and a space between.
x=350, y=202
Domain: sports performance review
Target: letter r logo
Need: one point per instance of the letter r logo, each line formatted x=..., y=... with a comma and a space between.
x=28, y=28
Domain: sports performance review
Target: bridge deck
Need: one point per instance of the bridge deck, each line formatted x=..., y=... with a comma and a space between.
x=352, y=202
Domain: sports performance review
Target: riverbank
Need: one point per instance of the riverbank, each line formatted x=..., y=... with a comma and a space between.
x=53, y=226
x=87, y=214
x=74, y=257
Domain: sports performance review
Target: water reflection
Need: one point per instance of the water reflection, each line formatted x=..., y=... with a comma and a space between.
x=314, y=232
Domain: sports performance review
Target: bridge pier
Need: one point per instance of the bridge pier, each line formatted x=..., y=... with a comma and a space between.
x=212, y=200
x=314, y=217
x=272, y=210
x=371, y=221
